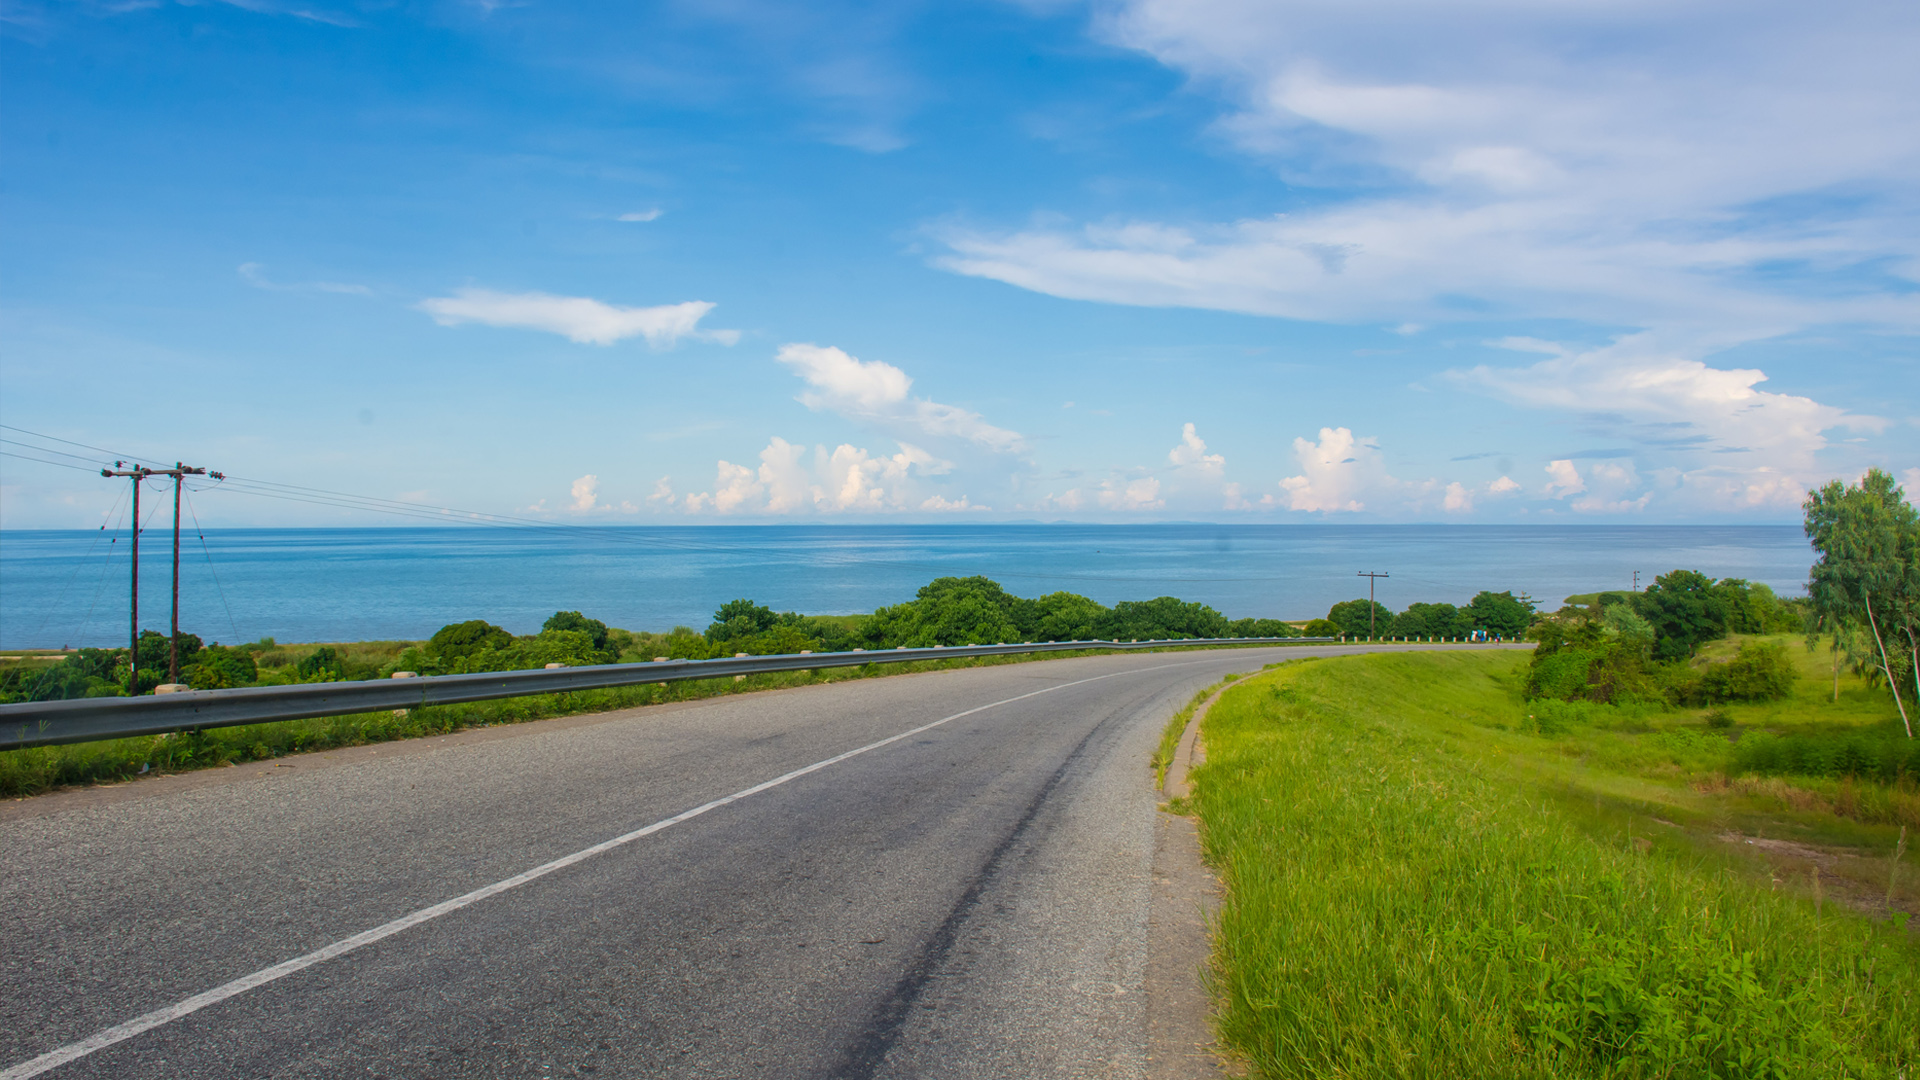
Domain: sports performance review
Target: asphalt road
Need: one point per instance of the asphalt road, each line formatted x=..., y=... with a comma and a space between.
x=970, y=899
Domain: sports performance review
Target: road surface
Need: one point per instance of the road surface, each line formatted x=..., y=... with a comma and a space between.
x=968, y=898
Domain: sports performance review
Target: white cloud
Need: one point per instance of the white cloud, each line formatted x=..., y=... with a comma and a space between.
x=1192, y=454
x=578, y=318
x=944, y=505
x=1609, y=483
x=876, y=391
x=1739, y=447
x=784, y=476
x=1132, y=495
x=585, y=493
x=1234, y=498
x=1620, y=163
x=1563, y=480
x=662, y=491
x=1459, y=500
x=641, y=215
x=1069, y=500
x=790, y=481
x=1336, y=473
x=1506, y=485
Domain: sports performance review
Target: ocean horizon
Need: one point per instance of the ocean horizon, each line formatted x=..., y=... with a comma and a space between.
x=70, y=587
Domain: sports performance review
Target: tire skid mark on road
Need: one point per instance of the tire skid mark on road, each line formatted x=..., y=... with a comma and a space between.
x=119, y=1033
x=862, y=1060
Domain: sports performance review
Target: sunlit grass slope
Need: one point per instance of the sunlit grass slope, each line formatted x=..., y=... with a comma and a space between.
x=1408, y=897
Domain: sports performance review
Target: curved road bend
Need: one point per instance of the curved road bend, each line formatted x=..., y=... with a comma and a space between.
x=967, y=900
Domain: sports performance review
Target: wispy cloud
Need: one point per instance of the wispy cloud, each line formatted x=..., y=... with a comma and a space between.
x=578, y=318
x=1768, y=444
x=876, y=391
x=1628, y=164
x=641, y=215
x=256, y=275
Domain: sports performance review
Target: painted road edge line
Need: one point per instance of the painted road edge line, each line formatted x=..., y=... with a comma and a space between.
x=74, y=1051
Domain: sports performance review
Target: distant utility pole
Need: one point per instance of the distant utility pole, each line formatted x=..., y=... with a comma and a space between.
x=1371, y=606
x=139, y=473
x=1636, y=581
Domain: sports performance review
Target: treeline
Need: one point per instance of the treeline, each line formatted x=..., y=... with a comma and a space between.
x=1489, y=614
x=947, y=611
x=1635, y=647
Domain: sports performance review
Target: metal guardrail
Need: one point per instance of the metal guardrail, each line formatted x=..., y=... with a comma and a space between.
x=48, y=723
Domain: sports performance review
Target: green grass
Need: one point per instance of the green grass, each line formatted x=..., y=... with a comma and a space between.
x=1417, y=886
x=1177, y=726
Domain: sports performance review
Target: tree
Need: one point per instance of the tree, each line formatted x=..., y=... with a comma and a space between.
x=1321, y=628
x=1865, y=537
x=1361, y=618
x=1431, y=620
x=573, y=620
x=457, y=641
x=1059, y=616
x=1685, y=610
x=1160, y=618
x=1501, y=614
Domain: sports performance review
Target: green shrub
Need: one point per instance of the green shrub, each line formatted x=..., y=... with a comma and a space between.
x=1760, y=671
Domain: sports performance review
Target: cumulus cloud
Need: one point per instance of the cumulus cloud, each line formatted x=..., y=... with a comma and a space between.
x=1624, y=163
x=1458, y=500
x=578, y=318
x=791, y=480
x=1336, y=473
x=1506, y=485
x=585, y=492
x=1563, y=479
x=1192, y=454
x=1131, y=495
x=878, y=392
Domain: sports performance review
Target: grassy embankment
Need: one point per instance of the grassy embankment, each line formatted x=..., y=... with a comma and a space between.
x=1421, y=882
x=41, y=769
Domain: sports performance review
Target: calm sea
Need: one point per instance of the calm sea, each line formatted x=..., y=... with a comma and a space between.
x=70, y=588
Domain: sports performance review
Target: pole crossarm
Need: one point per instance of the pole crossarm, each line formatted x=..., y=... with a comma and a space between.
x=48, y=723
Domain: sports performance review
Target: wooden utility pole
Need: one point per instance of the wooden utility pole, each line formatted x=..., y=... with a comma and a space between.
x=173, y=638
x=139, y=473
x=1371, y=577
x=133, y=640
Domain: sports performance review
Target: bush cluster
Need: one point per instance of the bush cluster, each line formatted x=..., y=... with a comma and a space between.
x=1637, y=647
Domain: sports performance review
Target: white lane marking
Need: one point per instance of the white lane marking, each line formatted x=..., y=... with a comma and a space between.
x=53, y=1059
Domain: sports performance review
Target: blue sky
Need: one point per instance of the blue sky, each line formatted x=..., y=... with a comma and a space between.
x=1213, y=260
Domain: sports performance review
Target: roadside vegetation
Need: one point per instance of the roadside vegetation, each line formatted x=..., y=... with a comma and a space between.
x=948, y=611
x=1428, y=874
x=1669, y=842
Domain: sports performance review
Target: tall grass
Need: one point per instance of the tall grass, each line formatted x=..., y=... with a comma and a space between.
x=1401, y=904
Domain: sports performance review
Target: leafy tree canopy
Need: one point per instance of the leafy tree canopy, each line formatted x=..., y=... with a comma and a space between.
x=1159, y=618
x=1501, y=614
x=573, y=620
x=457, y=640
x=1684, y=610
x=1352, y=617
